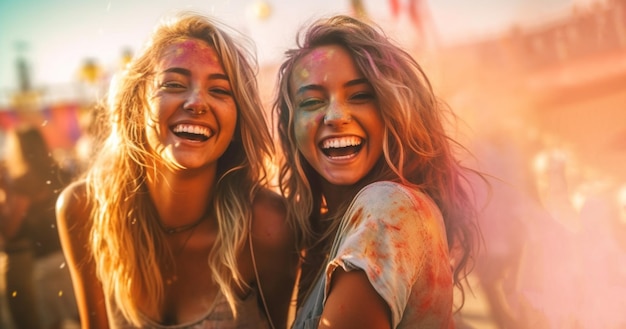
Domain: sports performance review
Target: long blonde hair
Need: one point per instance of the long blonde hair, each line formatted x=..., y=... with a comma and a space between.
x=126, y=241
x=417, y=150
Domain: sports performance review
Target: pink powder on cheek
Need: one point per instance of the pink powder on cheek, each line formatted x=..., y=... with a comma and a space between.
x=315, y=120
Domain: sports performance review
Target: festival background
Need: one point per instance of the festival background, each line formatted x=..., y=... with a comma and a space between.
x=539, y=86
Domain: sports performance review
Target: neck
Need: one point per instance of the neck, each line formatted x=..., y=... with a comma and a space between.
x=183, y=227
x=336, y=196
x=182, y=200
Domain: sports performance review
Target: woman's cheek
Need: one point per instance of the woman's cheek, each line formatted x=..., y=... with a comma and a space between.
x=306, y=123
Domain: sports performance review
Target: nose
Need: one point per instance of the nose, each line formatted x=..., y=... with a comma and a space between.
x=336, y=115
x=197, y=102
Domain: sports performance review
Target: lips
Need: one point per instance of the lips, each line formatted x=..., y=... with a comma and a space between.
x=192, y=132
x=341, y=147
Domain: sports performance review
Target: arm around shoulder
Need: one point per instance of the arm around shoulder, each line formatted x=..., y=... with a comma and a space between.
x=73, y=213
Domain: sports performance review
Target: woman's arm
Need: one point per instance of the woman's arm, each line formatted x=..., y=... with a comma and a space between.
x=73, y=219
x=353, y=303
x=390, y=263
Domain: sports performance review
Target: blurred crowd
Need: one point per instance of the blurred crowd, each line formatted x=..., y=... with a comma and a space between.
x=38, y=286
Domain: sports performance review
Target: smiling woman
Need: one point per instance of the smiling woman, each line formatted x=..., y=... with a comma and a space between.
x=387, y=223
x=190, y=76
x=180, y=227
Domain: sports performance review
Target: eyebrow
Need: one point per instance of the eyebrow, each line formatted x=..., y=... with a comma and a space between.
x=187, y=72
x=319, y=87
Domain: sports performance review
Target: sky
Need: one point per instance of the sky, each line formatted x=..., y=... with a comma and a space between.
x=57, y=36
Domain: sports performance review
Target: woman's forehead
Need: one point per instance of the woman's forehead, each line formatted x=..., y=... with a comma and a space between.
x=191, y=49
x=323, y=63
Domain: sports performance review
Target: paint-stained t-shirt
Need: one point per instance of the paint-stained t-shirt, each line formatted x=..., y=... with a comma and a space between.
x=396, y=235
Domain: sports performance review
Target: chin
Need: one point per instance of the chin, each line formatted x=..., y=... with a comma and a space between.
x=342, y=181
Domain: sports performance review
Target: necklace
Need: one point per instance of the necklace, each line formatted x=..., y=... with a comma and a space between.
x=182, y=228
x=192, y=228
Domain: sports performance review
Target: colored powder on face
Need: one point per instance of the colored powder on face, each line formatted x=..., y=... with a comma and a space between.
x=314, y=58
x=315, y=119
x=307, y=122
x=321, y=54
x=303, y=73
x=184, y=50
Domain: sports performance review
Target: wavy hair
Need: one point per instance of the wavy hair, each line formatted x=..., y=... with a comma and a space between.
x=417, y=150
x=126, y=240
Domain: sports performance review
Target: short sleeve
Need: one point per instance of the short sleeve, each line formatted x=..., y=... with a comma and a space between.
x=392, y=233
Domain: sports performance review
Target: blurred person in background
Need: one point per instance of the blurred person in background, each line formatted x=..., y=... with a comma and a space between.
x=502, y=221
x=88, y=143
x=38, y=284
x=599, y=246
x=550, y=274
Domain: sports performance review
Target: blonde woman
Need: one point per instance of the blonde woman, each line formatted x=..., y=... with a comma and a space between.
x=372, y=176
x=172, y=226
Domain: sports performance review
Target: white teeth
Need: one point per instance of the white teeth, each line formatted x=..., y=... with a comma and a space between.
x=192, y=129
x=341, y=142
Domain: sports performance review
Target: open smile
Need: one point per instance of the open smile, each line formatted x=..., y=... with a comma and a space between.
x=341, y=147
x=192, y=132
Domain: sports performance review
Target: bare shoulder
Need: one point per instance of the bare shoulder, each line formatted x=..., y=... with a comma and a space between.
x=74, y=224
x=275, y=254
x=72, y=208
x=269, y=220
x=269, y=201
